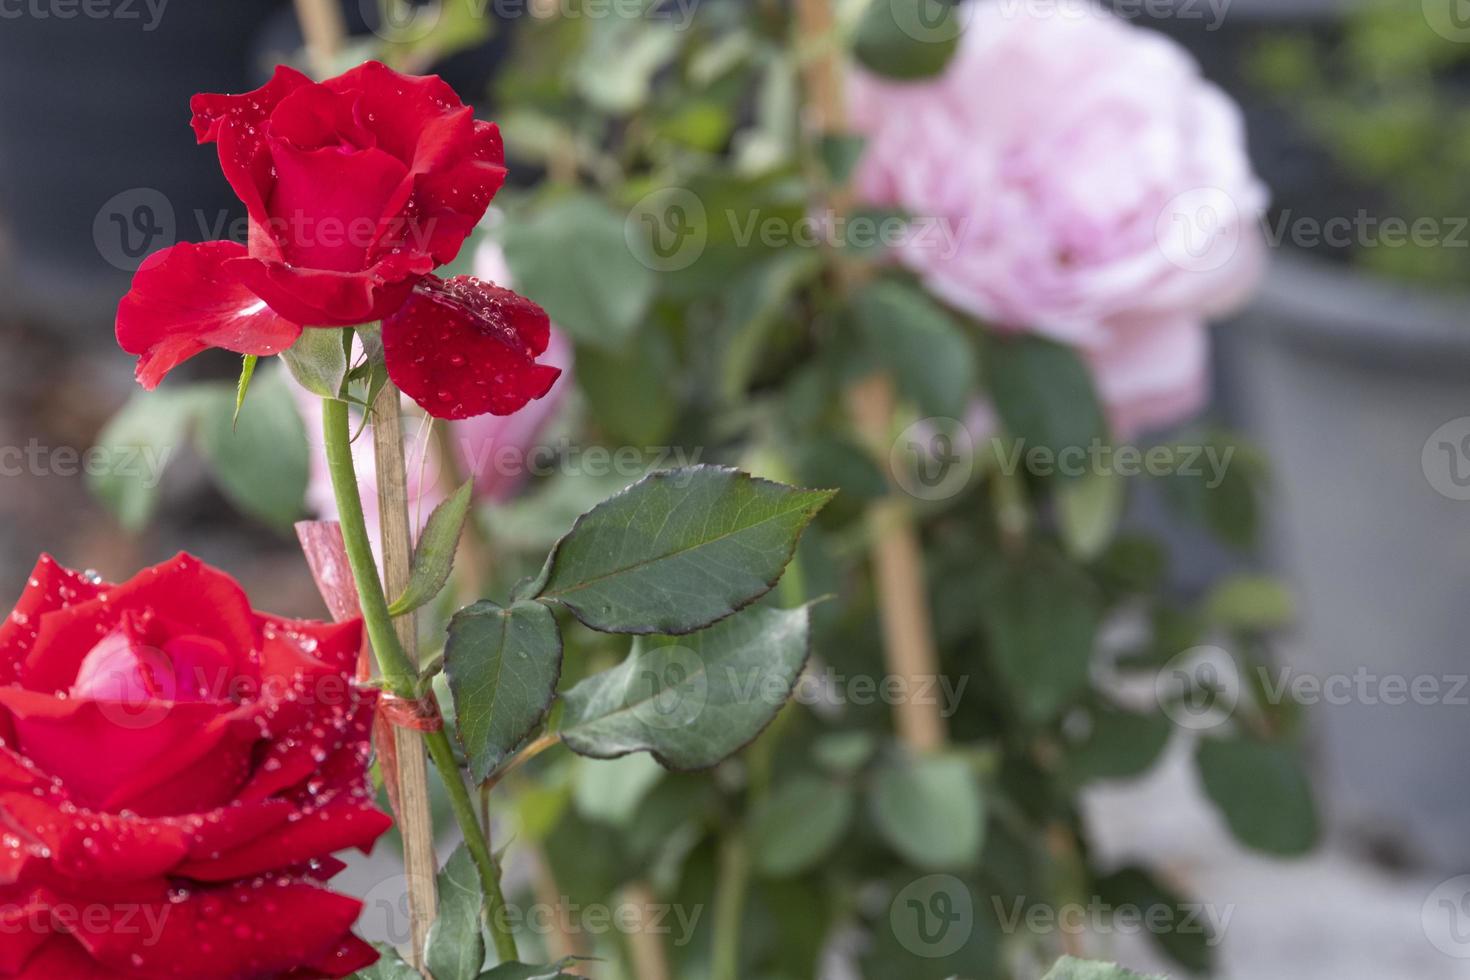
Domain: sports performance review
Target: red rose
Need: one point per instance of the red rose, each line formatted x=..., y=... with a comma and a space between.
x=357, y=188
x=175, y=771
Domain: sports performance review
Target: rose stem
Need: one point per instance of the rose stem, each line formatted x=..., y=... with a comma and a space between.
x=420, y=864
x=898, y=565
x=398, y=671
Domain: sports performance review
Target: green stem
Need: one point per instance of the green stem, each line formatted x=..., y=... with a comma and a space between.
x=476, y=841
x=399, y=673
x=730, y=907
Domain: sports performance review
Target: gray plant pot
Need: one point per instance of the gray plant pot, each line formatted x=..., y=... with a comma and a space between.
x=1345, y=380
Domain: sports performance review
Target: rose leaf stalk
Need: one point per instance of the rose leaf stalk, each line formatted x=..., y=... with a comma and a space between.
x=398, y=672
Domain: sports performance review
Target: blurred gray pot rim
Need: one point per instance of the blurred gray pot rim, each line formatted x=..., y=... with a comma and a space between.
x=1343, y=311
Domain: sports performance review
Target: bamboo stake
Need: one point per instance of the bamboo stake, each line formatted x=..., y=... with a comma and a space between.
x=650, y=958
x=419, y=861
x=324, y=31
x=898, y=565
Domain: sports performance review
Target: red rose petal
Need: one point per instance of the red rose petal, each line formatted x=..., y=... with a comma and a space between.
x=450, y=201
x=49, y=587
x=238, y=124
x=396, y=107
x=251, y=929
x=322, y=298
x=182, y=302
x=463, y=347
x=344, y=823
x=183, y=594
x=326, y=203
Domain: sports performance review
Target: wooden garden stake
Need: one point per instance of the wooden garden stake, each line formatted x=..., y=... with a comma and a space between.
x=419, y=862
x=898, y=564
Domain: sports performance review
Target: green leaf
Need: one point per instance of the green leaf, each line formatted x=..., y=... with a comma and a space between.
x=753, y=309
x=1262, y=792
x=932, y=360
x=263, y=464
x=433, y=556
x=1042, y=616
x=247, y=371
x=615, y=72
x=523, y=971
x=798, y=825
x=678, y=550
x=1043, y=392
x=1121, y=745
x=1250, y=602
x=1088, y=510
x=571, y=257
x=455, y=947
x=1185, y=936
x=137, y=445
x=610, y=790
x=628, y=392
x=390, y=967
x=694, y=700
x=1068, y=968
x=931, y=810
x=907, y=39
x=502, y=665
x=840, y=153
x=318, y=361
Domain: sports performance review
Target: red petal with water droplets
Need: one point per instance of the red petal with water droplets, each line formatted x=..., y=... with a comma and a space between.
x=183, y=301
x=463, y=347
x=49, y=587
x=237, y=124
x=249, y=929
x=183, y=594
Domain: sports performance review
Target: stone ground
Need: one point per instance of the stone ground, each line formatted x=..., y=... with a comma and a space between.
x=1331, y=916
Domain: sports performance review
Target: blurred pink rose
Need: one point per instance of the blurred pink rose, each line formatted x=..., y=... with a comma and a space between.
x=491, y=448
x=1079, y=179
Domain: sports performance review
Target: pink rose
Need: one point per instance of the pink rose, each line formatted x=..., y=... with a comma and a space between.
x=1078, y=179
